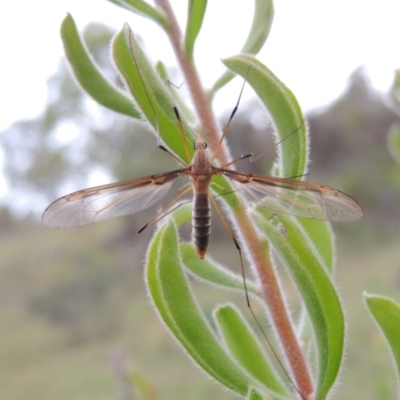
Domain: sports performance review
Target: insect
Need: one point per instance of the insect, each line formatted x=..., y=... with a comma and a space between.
x=280, y=195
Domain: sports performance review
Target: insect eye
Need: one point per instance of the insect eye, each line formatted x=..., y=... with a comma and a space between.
x=205, y=145
x=194, y=145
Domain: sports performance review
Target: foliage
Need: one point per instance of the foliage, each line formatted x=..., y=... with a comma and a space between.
x=304, y=248
x=386, y=313
x=71, y=140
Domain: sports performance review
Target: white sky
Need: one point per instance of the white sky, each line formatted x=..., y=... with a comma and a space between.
x=313, y=47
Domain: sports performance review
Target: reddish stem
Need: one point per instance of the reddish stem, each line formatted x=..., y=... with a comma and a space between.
x=275, y=303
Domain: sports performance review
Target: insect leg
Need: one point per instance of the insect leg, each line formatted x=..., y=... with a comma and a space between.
x=159, y=141
x=178, y=117
x=228, y=228
x=225, y=131
x=161, y=214
x=254, y=159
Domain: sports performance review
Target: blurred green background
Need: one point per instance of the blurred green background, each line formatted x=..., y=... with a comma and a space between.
x=75, y=317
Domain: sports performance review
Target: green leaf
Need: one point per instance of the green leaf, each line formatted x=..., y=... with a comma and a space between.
x=182, y=213
x=286, y=115
x=150, y=92
x=284, y=110
x=386, y=313
x=318, y=293
x=320, y=238
x=196, y=11
x=176, y=305
x=143, y=8
x=212, y=272
x=88, y=75
x=245, y=348
x=259, y=31
x=393, y=142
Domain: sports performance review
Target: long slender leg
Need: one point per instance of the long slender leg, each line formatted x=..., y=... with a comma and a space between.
x=225, y=131
x=228, y=228
x=178, y=117
x=159, y=142
x=254, y=159
x=160, y=214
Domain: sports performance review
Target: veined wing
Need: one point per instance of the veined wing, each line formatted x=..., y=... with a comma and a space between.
x=108, y=201
x=298, y=198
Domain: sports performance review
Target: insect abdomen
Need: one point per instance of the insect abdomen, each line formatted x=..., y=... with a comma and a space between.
x=201, y=223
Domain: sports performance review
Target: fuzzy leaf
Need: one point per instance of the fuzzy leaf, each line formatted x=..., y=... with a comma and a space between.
x=149, y=92
x=386, y=313
x=320, y=237
x=196, y=11
x=245, y=348
x=284, y=110
x=319, y=295
x=286, y=115
x=259, y=31
x=182, y=213
x=88, y=75
x=175, y=304
x=212, y=272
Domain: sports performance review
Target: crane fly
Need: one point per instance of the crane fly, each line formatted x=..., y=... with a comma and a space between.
x=288, y=196
x=279, y=195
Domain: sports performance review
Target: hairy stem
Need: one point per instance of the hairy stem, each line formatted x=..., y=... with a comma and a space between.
x=256, y=251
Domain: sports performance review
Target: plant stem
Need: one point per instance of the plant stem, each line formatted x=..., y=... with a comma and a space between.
x=204, y=112
x=259, y=255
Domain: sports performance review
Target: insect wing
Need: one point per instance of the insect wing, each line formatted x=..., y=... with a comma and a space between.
x=298, y=198
x=108, y=201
